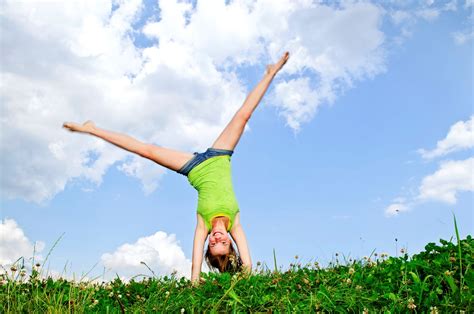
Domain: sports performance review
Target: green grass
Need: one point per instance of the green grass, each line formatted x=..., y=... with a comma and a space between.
x=438, y=279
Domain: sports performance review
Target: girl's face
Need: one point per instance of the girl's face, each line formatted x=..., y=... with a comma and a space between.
x=219, y=242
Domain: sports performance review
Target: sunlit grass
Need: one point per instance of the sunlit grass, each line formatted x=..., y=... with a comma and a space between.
x=439, y=279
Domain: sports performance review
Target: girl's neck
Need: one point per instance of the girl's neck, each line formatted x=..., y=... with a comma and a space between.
x=220, y=222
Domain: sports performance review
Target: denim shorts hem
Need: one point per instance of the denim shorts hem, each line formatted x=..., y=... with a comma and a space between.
x=201, y=157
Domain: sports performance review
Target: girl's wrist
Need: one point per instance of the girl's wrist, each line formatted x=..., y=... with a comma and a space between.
x=91, y=130
x=270, y=75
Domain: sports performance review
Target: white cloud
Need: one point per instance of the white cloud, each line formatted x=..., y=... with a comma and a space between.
x=406, y=14
x=161, y=252
x=459, y=137
x=465, y=35
x=428, y=14
x=14, y=243
x=460, y=38
x=452, y=177
x=76, y=60
x=73, y=60
x=298, y=102
x=395, y=209
x=139, y=168
x=400, y=16
x=335, y=50
x=223, y=32
x=451, y=6
x=344, y=45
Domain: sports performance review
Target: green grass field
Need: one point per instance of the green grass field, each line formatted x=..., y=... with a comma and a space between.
x=439, y=279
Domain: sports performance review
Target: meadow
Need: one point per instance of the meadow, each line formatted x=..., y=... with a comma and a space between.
x=437, y=280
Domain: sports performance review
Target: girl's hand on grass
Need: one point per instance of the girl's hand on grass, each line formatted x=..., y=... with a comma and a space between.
x=86, y=127
x=196, y=282
x=246, y=272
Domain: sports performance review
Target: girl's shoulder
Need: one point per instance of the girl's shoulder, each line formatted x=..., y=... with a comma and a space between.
x=201, y=224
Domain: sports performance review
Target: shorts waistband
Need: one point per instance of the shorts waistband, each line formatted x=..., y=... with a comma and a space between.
x=201, y=157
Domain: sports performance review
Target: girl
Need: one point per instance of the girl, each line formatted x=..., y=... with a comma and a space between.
x=210, y=174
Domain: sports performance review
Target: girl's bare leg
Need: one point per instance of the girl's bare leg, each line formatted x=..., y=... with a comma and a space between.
x=169, y=158
x=229, y=138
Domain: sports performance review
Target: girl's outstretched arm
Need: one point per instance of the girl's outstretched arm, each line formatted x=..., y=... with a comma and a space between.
x=200, y=236
x=238, y=235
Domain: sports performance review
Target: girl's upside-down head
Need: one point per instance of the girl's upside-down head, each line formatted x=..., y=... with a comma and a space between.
x=220, y=253
x=223, y=257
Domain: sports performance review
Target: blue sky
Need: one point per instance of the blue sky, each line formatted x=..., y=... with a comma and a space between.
x=309, y=184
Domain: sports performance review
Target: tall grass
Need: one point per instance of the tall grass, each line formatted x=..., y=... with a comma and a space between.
x=438, y=279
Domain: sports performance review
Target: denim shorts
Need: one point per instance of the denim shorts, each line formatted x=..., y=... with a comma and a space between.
x=200, y=157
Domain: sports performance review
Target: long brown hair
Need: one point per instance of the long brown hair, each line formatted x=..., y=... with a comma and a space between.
x=229, y=262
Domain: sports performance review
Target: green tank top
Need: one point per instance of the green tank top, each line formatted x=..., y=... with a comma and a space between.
x=213, y=180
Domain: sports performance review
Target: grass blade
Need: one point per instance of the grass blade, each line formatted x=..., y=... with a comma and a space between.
x=459, y=254
x=143, y=263
x=275, y=260
x=87, y=273
x=49, y=253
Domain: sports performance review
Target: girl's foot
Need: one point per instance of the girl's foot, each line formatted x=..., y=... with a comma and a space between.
x=87, y=127
x=272, y=69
